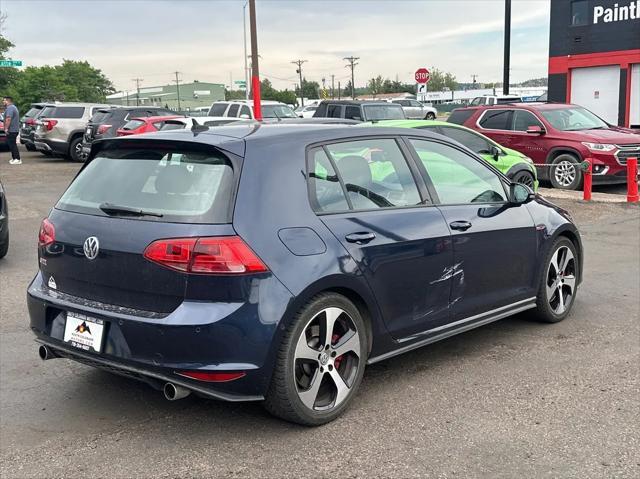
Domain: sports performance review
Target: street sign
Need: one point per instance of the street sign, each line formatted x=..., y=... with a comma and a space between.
x=10, y=63
x=240, y=82
x=422, y=75
x=421, y=91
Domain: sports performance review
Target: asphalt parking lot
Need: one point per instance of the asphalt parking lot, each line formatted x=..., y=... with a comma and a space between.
x=512, y=399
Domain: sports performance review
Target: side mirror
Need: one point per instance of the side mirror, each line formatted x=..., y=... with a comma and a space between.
x=520, y=194
x=535, y=130
x=495, y=152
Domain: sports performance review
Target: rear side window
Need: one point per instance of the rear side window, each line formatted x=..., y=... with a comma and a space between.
x=496, y=120
x=233, y=110
x=459, y=116
x=472, y=141
x=334, y=111
x=133, y=125
x=64, y=112
x=183, y=186
x=327, y=194
x=218, y=109
x=352, y=113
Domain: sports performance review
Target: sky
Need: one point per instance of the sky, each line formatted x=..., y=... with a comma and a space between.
x=203, y=39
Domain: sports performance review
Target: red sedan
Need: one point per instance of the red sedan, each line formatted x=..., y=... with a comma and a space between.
x=144, y=125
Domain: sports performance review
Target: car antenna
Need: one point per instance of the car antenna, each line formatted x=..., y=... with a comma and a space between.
x=197, y=127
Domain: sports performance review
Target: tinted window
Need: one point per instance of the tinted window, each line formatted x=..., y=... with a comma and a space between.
x=33, y=111
x=457, y=177
x=99, y=116
x=334, y=111
x=65, y=112
x=327, y=194
x=233, y=110
x=492, y=101
x=496, y=120
x=245, y=110
x=415, y=103
x=579, y=13
x=217, y=109
x=375, y=174
x=477, y=101
x=502, y=101
x=185, y=186
x=459, y=116
x=352, y=113
x=173, y=125
x=383, y=112
x=278, y=111
x=472, y=141
x=573, y=119
x=523, y=119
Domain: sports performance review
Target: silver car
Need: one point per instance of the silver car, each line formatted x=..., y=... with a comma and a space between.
x=415, y=110
x=60, y=128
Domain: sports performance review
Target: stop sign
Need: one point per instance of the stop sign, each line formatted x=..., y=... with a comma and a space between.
x=422, y=75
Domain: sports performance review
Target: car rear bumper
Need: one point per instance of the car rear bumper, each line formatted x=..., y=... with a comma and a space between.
x=51, y=146
x=153, y=347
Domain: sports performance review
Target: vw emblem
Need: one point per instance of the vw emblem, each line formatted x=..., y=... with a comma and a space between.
x=91, y=247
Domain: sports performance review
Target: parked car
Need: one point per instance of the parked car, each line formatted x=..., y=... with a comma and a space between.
x=495, y=100
x=415, y=110
x=106, y=122
x=4, y=223
x=359, y=110
x=147, y=124
x=188, y=122
x=558, y=137
x=240, y=278
x=306, y=111
x=516, y=166
x=243, y=109
x=28, y=125
x=60, y=128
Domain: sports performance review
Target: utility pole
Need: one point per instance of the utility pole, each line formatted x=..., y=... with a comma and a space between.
x=244, y=37
x=507, y=46
x=137, y=80
x=177, y=81
x=333, y=89
x=352, y=64
x=255, y=69
x=474, y=80
x=299, y=63
x=339, y=91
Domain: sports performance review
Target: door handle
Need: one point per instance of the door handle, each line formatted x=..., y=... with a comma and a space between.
x=460, y=225
x=360, y=237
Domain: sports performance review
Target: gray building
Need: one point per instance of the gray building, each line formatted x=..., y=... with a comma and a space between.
x=192, y=96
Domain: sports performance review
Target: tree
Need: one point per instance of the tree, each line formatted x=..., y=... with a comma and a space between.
x=441, y=81
x=309, y=89
x=90, y=84
x=7, y=74
x=347, y=89
x=375, y=85
x=234, y=94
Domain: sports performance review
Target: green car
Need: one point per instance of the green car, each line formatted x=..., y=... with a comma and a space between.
x=512, y=163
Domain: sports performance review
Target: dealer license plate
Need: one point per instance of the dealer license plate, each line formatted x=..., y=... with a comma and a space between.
x=84, y=332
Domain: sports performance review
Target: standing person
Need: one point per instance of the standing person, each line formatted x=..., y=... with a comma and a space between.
x=11, y=128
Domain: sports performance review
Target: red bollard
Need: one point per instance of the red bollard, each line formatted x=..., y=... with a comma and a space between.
x=632, y=180
x=588, y=179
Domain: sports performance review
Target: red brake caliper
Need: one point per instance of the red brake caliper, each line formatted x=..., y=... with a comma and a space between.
x=338, y=360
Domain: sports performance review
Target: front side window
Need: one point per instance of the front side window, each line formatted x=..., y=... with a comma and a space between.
x=352, y=113
x=182, y=186
x=496, y=120
x=523, y=119
x=473, y=141
x=218, y=109
x=457, y=177
x=375, y=174
x=245, y=111
x=334, y=111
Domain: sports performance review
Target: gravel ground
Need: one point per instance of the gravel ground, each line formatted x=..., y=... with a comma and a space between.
x=512, y=399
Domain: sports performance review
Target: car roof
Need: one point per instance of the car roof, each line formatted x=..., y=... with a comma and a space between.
x=409, y=123
x=149, y=119
x=356, y=102
x=532, y=105
x=85, y=105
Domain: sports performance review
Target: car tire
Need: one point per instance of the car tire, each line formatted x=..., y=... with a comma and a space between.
x=75, y=149
x=566, y=173
x=430, y=116
x=525, y=177
x=558, y=282
x=4, y=246
x=312, y=384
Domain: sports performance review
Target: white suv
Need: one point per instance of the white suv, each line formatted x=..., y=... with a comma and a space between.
x=244, y=109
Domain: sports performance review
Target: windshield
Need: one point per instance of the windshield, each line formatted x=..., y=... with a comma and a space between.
x=183, y=186
x=278, y=111
x=99, y=116
x=573, y=119
x=383, y=112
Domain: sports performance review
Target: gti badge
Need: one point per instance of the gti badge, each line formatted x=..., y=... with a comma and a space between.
x=91, y=247
x=52, y=283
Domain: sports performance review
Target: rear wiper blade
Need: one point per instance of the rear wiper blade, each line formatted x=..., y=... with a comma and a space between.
x=112, y=209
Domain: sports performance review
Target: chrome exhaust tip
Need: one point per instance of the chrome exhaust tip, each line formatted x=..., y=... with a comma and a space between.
x=45, y=353
x=173, y=392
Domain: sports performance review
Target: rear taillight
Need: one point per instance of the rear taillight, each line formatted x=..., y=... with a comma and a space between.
x=30, y=121
x=49, y=124
x=47, y=234
x=212, y=255
x=212, y=377
x=102, y=129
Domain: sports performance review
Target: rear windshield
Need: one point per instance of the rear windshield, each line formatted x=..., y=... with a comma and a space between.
x=383, y=112
x=33, y=111
x=278, y=111
x=172, y=125
x=63, y=112
x=181, y=186
x=99, y=116
x=133, y=125
x=459, y=116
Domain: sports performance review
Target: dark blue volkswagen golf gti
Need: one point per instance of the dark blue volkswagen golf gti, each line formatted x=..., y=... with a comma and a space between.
x=273, y=262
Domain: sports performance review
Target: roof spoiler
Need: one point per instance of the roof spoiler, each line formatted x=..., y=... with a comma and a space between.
x=197, y=127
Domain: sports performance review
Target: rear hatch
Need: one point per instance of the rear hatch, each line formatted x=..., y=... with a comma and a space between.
x=125, y=200
x=98, y=118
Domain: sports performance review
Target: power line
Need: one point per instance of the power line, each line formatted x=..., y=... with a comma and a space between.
x=299, y=72
x=137, y=81
x=177, y=82
x=352, y=64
